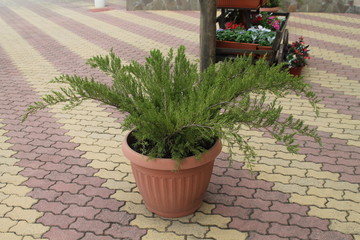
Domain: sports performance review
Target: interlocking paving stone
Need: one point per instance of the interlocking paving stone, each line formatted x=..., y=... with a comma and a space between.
x=65, y=170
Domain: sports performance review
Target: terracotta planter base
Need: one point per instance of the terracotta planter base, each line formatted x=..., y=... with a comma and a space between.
x=296, y=71
x=168, y=192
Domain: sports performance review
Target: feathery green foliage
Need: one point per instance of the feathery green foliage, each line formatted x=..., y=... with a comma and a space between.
x=177, y=111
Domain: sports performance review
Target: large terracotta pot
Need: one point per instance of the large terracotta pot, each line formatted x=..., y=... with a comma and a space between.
x=240, y=3
x=170, y=193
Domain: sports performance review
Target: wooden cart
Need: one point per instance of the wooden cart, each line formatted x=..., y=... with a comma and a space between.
x=277, y=52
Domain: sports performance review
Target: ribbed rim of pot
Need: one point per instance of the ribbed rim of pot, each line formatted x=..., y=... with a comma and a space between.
x=168, y=163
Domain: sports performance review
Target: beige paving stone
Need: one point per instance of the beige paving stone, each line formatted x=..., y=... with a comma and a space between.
x=343, y=205
x=88, y=148
x=290, y=171
x=290, y=188
x=33, y=229
x=356, y=237
x=84, y=140
x=104, y=136
x=96, y=156
x=29, y=215
x=275, y=161
x=123, y=185
x=111, y=150
x=32, y=238
x=107, y=174
x=188, y=229
x=272, y=177
x=108, y=143
x=206, y=208
x=127, y=196
x=124, y=167
x=152, y=235
x=103, y=165
x=13, y=170
x=327, y=213
x=129, y=178
x=215, y=220
x=305, y=165
x=4, y=209
x=6, y=224
x=259, y=167
x=15, y=189
x=290, y=156
x=136, y=209
x=10, y=236
x=345, y=136
x=228, y=234
x=8, y=161
x=345, y=227
x=19, y=201
x=95, y=129
x=6, y=153
x=154, y=223
x=323, y=175
x=12, y=179
x=4, y=145
x=341, y=185
x=307, y=181
x=354, y=217
x=76, y=127
x=119, y=159
x=325, y=192
x=76, y=133
x=353, y=196
x=307, y=200
x=3, y=196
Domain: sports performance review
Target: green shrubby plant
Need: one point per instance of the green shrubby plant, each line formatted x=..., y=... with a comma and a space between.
x=177, y=111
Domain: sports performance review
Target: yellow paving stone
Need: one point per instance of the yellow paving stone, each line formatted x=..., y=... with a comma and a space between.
x=273, y=177
x=129, y=178
x=66, y=120
x=6, y=224
x=290, y=188
x=206, y=208
x=108, y=143
x=339, y=185
x=188, y=229
x=345, y=227
x=290, y=171
x=327, y=213
x=29, y=215
x=307, y=200
x=323, y=175
x=103, y=165
x=76, y=133
x=353, y=196
x=94, y=129
x=8, y=161
x=228, y=234
x=107, y=174
x=152, y=235
x=123, y=185
x=151, y=222
x=216, y=220
x=345, y=136
x=353, y=143
x=3, y=196
x=356, y=237
x=32, y=238
x=75, y=127
x=118, y=159
x=259, y=167
x=305, y=165
x=136, y=209
x=127, y=196
x=12, y=179
x=10, y=236
x=101, y=135
x=290, y=156
x=96, y=156
x=33, y=229
x=84, y=140
x=307, y=181
x=15, y=189
x=13, y=170
x=17, y=201
x=116, y=131
x=275, y=161
x=6, y=153
x=124, y=167
x=354, y=217
x=111, y=150
x=343, y=205
x=89, y=148
x=325, y=192
x=4, y=209
x=5, y=145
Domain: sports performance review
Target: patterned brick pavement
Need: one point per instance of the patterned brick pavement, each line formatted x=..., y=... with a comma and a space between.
x=63, y=176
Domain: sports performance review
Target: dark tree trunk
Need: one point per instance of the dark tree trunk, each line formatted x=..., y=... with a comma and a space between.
x=207, y=33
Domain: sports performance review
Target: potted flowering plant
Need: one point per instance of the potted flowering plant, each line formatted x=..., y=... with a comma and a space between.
x=177, y=117
x=297, y=57
x=267, y=20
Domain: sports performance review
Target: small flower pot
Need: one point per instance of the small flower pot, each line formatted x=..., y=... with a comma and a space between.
x=295, y=71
